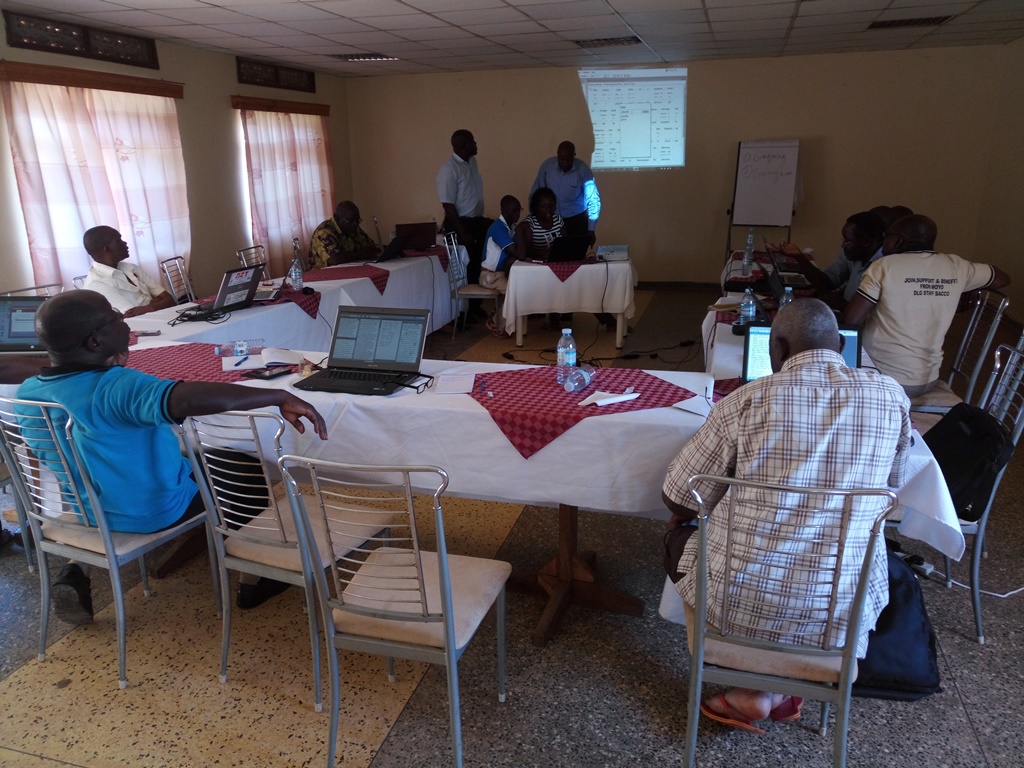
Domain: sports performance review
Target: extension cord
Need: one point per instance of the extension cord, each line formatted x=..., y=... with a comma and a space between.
x=925, y=569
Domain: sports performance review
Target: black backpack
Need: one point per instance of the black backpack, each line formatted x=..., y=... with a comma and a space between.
x=971, y=447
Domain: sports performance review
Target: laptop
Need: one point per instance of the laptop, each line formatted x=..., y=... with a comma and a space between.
x=237, y=290
x=792, y=279
x=757, y=360
x=393, y=250
x=418, y=236
x=569, y=248
x=375, y=351
x=18, y=326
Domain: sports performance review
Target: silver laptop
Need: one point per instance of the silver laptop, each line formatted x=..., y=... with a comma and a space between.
x=757, y=361
x=237, y=291
x=374, y=352
x=18, y=326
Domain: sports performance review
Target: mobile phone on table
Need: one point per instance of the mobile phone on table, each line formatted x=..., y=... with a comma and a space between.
x=267, y=373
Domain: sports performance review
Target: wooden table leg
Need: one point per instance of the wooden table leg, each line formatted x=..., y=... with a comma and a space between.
x=569, y=577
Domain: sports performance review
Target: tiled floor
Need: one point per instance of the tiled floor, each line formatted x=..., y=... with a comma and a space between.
x=606, y=691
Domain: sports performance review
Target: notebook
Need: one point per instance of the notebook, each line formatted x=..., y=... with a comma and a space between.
x=418, y=236
x=757, y=360
x=18, y=326
x=792, y=279
x=569, y=248
x=393, y=251
x=374, y=352
x=237, y=291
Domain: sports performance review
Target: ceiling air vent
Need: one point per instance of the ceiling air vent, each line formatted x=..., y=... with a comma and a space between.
x=608, y=42
x=924, y=21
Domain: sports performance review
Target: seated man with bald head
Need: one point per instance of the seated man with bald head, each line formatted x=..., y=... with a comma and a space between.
x=340, y=239
x=812, y=423
x=907, y=301
x=122, y=422
x=127, y=287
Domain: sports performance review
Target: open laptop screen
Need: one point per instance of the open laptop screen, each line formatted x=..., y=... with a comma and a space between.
x=757, y=360
x=379, y=339
x=18, y=324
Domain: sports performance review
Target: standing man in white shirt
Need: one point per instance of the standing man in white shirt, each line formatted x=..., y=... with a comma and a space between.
x=460, y=188
x=579, y=203
x=128, y=289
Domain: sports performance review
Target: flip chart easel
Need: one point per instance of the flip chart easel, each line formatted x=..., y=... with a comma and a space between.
x=766, y=174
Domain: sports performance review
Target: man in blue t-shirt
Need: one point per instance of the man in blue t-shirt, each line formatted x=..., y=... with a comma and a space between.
x=122, y=425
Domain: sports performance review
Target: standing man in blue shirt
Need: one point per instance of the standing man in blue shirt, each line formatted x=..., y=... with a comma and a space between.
x=579, y=203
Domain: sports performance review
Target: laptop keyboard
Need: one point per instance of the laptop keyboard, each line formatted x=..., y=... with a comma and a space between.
x=381, y=376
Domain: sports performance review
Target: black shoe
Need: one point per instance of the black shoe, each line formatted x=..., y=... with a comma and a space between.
x=251, y=595
x=71, y=595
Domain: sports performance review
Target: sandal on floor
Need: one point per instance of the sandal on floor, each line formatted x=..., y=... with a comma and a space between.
x=496, y=332
x=789, y=709
x=732, y=718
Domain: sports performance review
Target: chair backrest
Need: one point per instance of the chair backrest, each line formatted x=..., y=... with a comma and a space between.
x=78, y=281
x=253, y=255
x=47, y=469
x=1004, y=394
x=50, y=289
x=348, y=500
x=797, y=564
x=177, y=279
x=234, y=451
x=989, y=307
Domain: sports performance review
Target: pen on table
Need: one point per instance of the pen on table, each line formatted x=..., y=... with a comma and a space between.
x=241, y=361
x=483, y=385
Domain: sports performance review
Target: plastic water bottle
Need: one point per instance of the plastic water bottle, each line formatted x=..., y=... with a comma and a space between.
x=239, y=348
x=579, y=378
x=748, y=308
x=566, y=356
x=748, y=253
x=787, y=297
x=295, y=274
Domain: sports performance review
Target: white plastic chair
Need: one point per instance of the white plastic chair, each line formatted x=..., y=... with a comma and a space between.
x=390, y=597
x=253, y=531
x=55, y=491
x=817, y=664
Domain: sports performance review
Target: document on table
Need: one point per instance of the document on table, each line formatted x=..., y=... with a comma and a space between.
x=454, y=383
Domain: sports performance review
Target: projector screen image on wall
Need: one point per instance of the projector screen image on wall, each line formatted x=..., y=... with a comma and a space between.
x=639, y=117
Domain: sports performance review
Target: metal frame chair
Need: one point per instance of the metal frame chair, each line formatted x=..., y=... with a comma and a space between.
x=820, y=663
x=78, y=281
x=50, y=289
x=1003, y=398
x=64, y=512
x=178, y=280
x=970, y=356
x=460, y=289
x=253, y=255
x=7, y=479
x=389, y=596
x=253, y=531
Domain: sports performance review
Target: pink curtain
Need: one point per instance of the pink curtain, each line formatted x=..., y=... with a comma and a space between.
x=85, y=157
x=290, y=190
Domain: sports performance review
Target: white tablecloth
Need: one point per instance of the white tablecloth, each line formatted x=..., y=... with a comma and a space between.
x=600, y=287
x=414, y=283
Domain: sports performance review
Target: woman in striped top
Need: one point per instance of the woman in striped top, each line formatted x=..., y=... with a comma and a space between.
x=542, y=225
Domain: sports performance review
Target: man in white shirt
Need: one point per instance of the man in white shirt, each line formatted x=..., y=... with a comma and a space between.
x=460, y=188
x=128, y=289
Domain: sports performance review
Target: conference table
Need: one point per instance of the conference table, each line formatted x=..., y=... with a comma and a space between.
x=418, y=280
x=540, y=288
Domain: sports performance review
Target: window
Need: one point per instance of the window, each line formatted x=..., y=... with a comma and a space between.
x=84, y=157
x=289, y=163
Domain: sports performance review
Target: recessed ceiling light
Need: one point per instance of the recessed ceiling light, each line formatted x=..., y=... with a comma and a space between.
x=608, y=42
x=923, y=21
x=363, y=57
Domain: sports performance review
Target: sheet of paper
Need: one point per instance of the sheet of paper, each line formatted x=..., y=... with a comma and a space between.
x=245, y=363
x=275, y=356
x=607, y=398
x=454, y=383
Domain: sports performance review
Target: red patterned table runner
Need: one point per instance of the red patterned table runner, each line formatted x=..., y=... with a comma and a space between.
x=531, y=410
x=435, y=250
x=724, y=387
x=183, y=362
x=308, y=303
x=376, y=274
x=565, y=269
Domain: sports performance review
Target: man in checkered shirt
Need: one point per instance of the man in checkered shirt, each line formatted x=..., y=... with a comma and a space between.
x=814, y=422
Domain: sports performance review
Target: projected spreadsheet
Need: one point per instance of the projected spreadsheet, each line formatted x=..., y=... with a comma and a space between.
x=639, y=117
